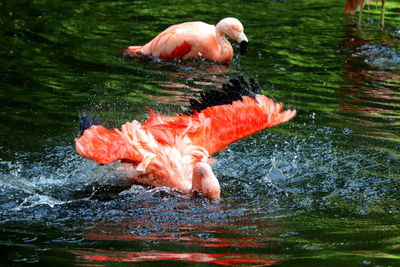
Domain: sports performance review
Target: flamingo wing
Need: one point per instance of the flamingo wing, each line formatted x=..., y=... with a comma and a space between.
x=103, y=146
x=131, y=144
x=230, y=123
x=174, y=42
x=220, y=118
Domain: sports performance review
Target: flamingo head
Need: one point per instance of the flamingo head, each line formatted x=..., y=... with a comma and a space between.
x=234, y=29
x=205, y=181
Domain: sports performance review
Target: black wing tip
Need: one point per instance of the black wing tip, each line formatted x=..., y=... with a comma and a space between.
x=232, y=91
x=87, y=121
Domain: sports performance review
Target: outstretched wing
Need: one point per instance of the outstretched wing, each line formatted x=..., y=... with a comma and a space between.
x=220, y=118
x=233, y=122
x=215, y=121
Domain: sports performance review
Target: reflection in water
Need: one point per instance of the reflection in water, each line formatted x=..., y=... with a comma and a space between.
x=185, y=79
x=372, y=75
x=172, y=232
x=97, y=255
x=180, y=223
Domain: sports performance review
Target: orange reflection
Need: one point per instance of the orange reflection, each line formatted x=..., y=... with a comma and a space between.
x=184, y=234
x=97, y=255
x=184, y=238
x=164, y=228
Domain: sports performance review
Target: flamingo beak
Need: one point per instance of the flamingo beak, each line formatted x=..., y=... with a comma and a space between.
x=243, y=47
x=243, y=42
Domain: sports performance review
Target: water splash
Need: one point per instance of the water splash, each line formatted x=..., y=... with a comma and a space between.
x=380, y=56
x=267, y=180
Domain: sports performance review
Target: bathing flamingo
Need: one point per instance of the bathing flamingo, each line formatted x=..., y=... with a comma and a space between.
x=352, y=5
x=194, y=40
x=174, y=151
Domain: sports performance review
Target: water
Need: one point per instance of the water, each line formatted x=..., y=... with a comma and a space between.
x=321, y=189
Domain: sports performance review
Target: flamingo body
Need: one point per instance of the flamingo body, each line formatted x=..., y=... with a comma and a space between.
x=174, y=151
x=194, y=40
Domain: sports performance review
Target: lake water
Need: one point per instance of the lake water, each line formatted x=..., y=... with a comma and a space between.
x=322, y=189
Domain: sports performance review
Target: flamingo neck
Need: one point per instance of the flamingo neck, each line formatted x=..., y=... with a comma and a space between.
x=225, y=47
x=205, y=182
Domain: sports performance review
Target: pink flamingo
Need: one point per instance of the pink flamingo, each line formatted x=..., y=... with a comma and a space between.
x=175, y=151
x=195, y=40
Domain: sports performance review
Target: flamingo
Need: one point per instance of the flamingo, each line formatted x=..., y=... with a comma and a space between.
x=174, y=151
x=352, y=5
x=195, y=40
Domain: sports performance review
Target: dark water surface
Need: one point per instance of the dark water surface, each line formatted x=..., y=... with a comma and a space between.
x=322, y=189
